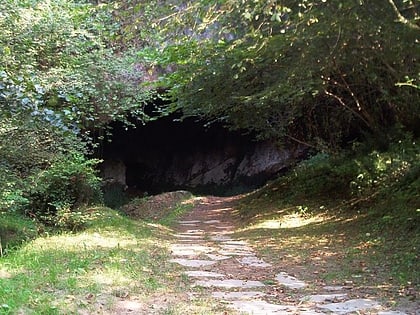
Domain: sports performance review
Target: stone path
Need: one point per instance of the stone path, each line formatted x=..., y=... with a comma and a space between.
x=231, y=272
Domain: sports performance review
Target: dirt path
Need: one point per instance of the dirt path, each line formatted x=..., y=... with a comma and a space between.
x=229, y=270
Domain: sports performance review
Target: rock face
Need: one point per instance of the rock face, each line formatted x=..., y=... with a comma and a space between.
x=114, y=171
x=169, y=155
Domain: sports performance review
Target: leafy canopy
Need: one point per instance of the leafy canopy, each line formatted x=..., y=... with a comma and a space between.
x=320, y=72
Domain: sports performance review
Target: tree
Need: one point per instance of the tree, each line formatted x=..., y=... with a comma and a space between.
x=58, y=62
x=47, y=95
x=319, y=72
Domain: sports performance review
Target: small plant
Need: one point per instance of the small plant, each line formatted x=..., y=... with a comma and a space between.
x=68, y=219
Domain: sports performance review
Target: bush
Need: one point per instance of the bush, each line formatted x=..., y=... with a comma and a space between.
x=44, y=172
x=11, y=190
x=323, y=173
x=360, y=174
x=69, y=183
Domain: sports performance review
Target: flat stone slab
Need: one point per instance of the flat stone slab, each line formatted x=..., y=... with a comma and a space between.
x=254, y=261
x=189, y=222
x=308, y=311
x=244, y=295
x=235, y=250
x=220, y=238
x=189, y=249
x=233, y=242
x=211, y=221
x=320, y=298
x=236, y=247
x=333, y=288
x=217, y=257
x=258, y=307
x=230, y=283
x=289, y=281
x=193, y=262
x=226, y=252
x=189, y=236
x=350, y=306
x=203, y=274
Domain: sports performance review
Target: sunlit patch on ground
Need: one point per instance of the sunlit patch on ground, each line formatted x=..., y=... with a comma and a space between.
x=287, y=221
x=4, y=274
x=110, y=277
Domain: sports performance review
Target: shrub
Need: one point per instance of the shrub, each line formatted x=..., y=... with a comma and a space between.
x=69, y=183
x=11, y=190
x=323, y=173
x=358, y=173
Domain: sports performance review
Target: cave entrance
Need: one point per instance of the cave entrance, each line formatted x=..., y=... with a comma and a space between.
x=168, y=154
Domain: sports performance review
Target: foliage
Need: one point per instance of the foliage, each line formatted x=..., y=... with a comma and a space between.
x=360, y=174
x=11, y=193
x=57, y=63
x=60, y=81
x=67, y=184
x=43, y=168
x=317, y=72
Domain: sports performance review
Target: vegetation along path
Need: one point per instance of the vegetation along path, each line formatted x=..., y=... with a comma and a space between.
x=227, y=268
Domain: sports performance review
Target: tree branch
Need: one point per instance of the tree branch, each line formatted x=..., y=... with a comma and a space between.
x=301, y=142
x=401, y=18
x=348, y=108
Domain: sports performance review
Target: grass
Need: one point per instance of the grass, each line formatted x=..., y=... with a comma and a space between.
x=365, y=235
x=14, y=230
x=47, y=274
x=116, y=260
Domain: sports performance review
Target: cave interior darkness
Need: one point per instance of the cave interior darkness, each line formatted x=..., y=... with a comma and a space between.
x=148, y=151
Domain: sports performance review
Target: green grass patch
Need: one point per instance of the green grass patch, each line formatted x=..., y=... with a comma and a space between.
x=14, y=230
x=114, y=258
x=48, y=274
x=115, y=262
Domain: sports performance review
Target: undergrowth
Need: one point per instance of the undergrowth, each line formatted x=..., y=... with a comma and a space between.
x=14, y=230
x=352, y=218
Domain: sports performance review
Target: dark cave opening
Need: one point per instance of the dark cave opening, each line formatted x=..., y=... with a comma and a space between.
x=168, y=154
